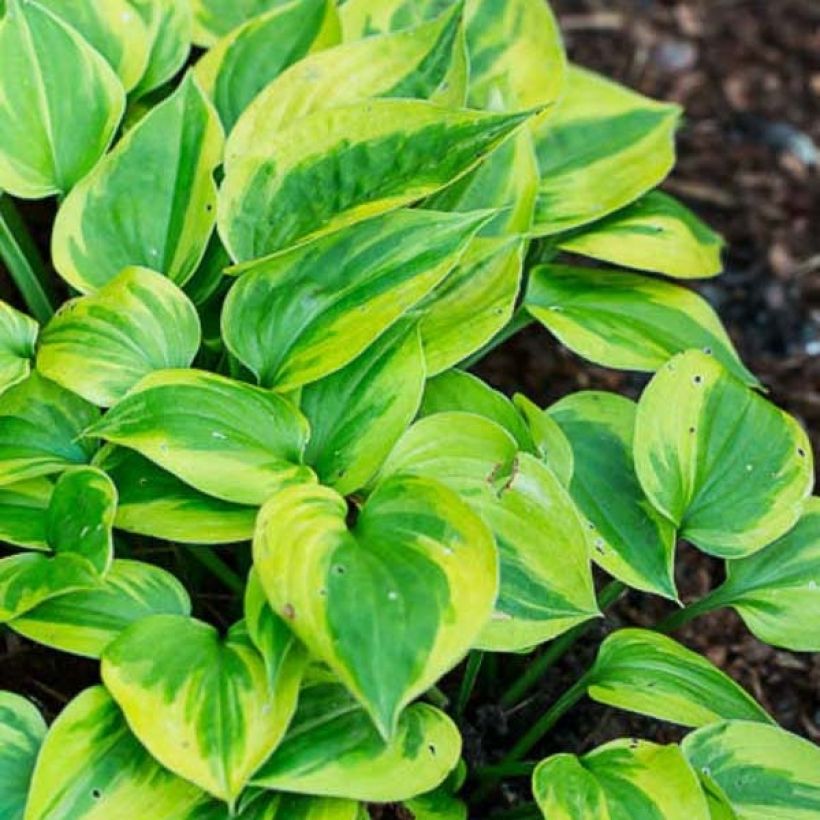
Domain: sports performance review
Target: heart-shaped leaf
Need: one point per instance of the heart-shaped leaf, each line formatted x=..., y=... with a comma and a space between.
x=631, y=540
x=92, y=766
x=300, y=315
x=705, y=444
x=251, y=56
x=22, y=730
x=18, y=336
x=223, y=437
x=150, y=202
x=332, y=748
x=416, y=552
x=648, y=673
x=657, y=234
x=286, y=190
x=624, y=320
x=100, y=346
x=56, y=125
x=23, y=513
x=202, y=706
x=624, y=778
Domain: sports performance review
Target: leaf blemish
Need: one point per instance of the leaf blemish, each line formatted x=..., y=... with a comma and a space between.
x=289, y=612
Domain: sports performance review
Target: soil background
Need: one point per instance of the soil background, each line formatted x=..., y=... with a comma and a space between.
x=748, y=74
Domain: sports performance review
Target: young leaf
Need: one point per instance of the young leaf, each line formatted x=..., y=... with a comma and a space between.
x=22, y=730
x=245, y=61
x=332, y=748
x=418, y=63
x=23, y=513
x=389, y=152
x=602, y=148
x=60, y=103
x=648, y=673
x=91, y=766
x=762, y=772
x=150, y=202
x=705, y=444
x=551, y=443
x=297, y=316
x=223, y=437
x=214, y=19
x=631, y=540
x=657, y=234
x=777, y=590
x=627, y=321
x=85, y=622
x=202, y=706
x=113, y=28
x=157, y=504
x=100, y=346
x=169, y=25
x=358, y=413
x=416, y=552
x=40, y=429
x=18, y=336
x=624, y=778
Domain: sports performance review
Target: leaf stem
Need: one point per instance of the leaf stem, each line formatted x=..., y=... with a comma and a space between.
x=21, y=257
x=474, y=661
x=212, y=562
x=714, y=600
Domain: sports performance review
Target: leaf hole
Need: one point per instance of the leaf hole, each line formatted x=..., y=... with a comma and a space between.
x=432, y=749
x=698, y=379
x=96, y=794
x=339, y=569
x=801, y=452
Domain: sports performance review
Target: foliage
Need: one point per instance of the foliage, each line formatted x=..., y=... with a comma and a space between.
x=281, y=262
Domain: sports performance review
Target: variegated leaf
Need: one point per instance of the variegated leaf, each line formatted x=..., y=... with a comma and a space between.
x=286, y=190
x=150, y=202
x=202, y=705
x=60, y=103
x=223, y=437
x=657, y=234
x=213, y=19
x=297, y=316
x=551, y=443
x=705, y=443
x=627, y=321
x=265, y=805
x=22, y=730
x=23, y=513
x=251, y=56
x=18, y=336
x=602, y=148
x=332, y=748
x=631, y=540
x=416, y=553
x=100, y=346
x=624, y=778
x=366, y=18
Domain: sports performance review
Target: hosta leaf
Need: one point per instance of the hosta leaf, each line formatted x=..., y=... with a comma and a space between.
x=300, y=315
x=624, y=320
x=60, y=103
x=85, y=622
x=245, y=61
x=517, y=59
x=265, y=805
x=631, y=540
x=412, y=64
x=100, y=346
x=150, y=202
x=657, y=234
x=18, y=336
x=214, y=19
x=23, y=513
x=113, y=28
x=624, y=778
x=705, y=444
x=202, y=706
x=551, y=443
x=92, y=767
x=223, y=437
x=209, y=277
x=365, y=18
x=416, y=553
x=156, y=503
x=436, y=805
x=40, y=429
x=648, y=673
x=602, y=148
x=288, y=188
x=332, y=748
x=169, y=25
x=21, y=732
x=763, y=772
x=357, y=414
x=777, y=590
x=546, y=582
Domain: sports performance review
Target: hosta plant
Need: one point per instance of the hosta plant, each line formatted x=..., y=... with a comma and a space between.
x=284, y=232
